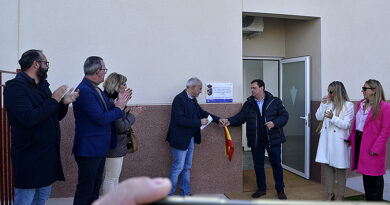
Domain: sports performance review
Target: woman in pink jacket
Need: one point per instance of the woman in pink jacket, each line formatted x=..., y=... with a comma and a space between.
x=370, y=131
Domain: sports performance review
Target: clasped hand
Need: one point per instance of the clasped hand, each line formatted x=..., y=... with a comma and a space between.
x=329, y=114
x=123, y=98
x=60, y=94
x=224, y=122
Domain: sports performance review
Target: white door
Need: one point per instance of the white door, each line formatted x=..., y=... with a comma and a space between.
x=295, y=94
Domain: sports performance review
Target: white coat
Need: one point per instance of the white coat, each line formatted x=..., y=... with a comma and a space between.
x=332, y=149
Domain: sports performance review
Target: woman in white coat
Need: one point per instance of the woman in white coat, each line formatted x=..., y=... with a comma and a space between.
x=336, y=112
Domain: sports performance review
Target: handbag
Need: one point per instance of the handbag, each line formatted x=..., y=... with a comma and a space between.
x=132, y=142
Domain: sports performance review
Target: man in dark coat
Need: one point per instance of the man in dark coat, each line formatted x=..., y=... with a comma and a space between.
x=34, y=113
x=186, y=119
x=265, y=116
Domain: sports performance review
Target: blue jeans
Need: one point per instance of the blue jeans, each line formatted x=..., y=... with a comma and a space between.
x=274, y=154
x=181, y=165
x=36, y=196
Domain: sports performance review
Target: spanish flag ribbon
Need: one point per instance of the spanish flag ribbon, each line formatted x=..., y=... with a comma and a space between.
x=229, y=148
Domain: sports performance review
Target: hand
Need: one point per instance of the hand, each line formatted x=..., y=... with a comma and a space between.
x=127, y=92
x=373, y=153
x=204, y=121
x=70, y=96
x=123, y=98
x=57, y=94
x=329, y=114
x=136, y=191
x=270, y=125
x=224, y=122
x=137, y=110
x=325, y=99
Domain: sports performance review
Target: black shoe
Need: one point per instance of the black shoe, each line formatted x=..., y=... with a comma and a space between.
x=258, y=193
x=282, y=195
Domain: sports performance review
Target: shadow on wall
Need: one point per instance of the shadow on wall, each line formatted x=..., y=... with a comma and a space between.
x=211, y=171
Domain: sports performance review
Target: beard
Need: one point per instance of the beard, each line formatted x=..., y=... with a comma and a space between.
x=42, y=73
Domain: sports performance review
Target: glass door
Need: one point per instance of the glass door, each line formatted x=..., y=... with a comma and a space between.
x=295, y=94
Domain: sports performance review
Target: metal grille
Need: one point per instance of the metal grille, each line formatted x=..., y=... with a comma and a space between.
x=6, y=175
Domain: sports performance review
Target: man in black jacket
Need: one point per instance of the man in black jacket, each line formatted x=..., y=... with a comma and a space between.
x=265, y=116
x=34, y=113
x=186, y=119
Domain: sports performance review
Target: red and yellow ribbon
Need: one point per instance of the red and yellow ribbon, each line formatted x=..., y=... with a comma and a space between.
x=229, y=148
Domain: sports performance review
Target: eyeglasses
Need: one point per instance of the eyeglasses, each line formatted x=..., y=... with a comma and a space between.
x=45, y=62
x=105, y=69
x=331, y=91
x=365, y=88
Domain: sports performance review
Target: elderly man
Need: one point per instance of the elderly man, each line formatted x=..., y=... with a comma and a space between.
x=94, y=116
x=186, y=118
x=34, y=113
x=265, y=117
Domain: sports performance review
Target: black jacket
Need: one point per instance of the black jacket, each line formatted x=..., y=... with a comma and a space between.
x=35, y=132
x=273, y=110
x=183, y=126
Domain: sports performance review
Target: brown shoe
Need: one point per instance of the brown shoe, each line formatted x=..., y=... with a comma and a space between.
x=282, y=195
x=258, y=193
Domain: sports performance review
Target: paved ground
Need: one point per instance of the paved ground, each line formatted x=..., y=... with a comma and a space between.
x=356, y=183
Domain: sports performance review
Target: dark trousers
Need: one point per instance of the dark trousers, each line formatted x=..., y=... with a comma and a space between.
x=90, y=175
x=358, y=142
x=373, y=187
x=274, y=154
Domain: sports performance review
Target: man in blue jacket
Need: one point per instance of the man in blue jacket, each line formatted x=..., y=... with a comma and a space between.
x=94, y=117
x=265, y=117
x=34, y=113
x=186, y=119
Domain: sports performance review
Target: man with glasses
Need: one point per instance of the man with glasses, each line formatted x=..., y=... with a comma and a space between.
x=34, y=113
x=94, y=133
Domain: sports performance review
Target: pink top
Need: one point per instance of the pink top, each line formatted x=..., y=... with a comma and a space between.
x=361, y=116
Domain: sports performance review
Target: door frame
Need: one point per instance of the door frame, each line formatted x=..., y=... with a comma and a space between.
x=307, y=61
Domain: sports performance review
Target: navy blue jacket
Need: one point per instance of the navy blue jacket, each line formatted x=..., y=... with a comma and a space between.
x=273, y=110
x=93, y=133
x=183, y=125
x=35, y=132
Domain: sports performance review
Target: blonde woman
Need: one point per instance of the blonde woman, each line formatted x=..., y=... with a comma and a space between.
x=336, y=112
x=113, y=85
x=369, y=135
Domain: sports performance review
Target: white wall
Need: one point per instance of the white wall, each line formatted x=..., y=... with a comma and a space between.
x=271, y=42
x=354, y=38
x=8, y=35
x=158, y=45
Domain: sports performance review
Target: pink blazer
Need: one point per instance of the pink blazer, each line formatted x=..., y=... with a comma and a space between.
x=375, y=135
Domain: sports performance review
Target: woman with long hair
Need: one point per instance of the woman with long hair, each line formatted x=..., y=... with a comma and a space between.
x=113, y=85
x=336, y=112
x=369, y=135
